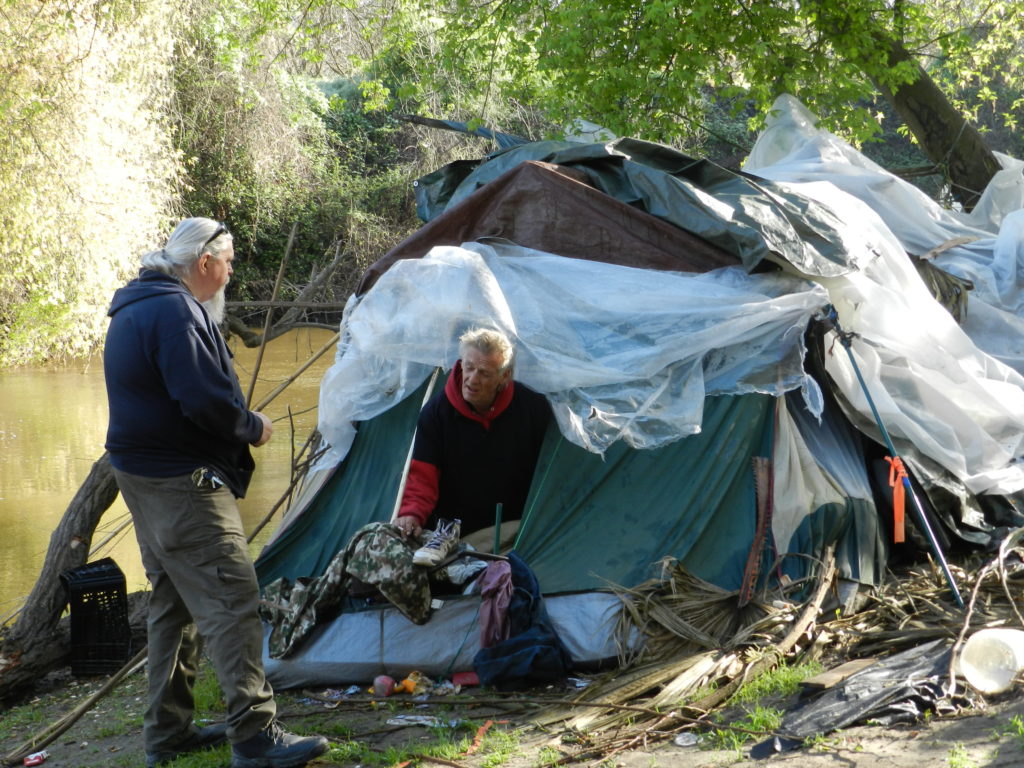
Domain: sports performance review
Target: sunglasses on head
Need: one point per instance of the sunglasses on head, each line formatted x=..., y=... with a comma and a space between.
x=221, y=229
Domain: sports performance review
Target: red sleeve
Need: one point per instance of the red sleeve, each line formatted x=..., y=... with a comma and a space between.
x=421, y=490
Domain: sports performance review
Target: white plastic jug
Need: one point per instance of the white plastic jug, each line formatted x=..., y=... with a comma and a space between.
x=992, y=658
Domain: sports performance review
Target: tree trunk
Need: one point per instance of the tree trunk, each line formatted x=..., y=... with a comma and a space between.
x=946, y=136
x=33, y=646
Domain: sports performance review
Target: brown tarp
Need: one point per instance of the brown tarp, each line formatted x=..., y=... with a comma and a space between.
x=551, y=208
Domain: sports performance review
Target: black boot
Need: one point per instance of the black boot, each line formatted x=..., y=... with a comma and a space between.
x=198, y=738
x=274, y=747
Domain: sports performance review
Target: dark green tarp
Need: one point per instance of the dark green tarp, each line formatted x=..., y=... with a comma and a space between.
x=752, y=218
x=590, y=521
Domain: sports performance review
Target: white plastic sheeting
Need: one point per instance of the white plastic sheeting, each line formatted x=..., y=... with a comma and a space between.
x=939, y=395
x=793, y=149
x=356, y=647
x=621, y=353
x=630, y=354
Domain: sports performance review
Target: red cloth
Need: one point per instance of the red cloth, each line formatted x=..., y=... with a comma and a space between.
x=465, y=463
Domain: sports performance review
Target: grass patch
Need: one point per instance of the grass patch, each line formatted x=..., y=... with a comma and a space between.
x=958, y=758
x=352, y=752
x=18, y=720
x=336, y=729
x=446, y=744
x=760, y=720
x=1015, y=728
x=547, y=756
x=781, y=681
x=207, y=693
x=498, y=747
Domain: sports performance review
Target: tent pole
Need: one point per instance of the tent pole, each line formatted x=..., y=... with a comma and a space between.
x=412, y=443
x=831, y=321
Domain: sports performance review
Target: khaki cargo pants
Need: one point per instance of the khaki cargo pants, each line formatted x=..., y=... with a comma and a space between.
x=197, y=561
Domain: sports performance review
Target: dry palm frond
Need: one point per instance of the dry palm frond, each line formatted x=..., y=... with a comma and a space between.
x=706, y=668
x=618, y=686
x=679, y=613
x=949, y=290
x=917, y=606
x=684, y=681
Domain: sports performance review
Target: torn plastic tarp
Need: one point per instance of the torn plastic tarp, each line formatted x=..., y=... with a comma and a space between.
x=755, y=219
x=821, y=210
x=621, y=353
x=990, y=249
x=941, y=395
x=898, y=689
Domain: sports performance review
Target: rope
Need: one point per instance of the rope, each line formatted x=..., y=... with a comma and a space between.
x=897, y=474
x=448, y=669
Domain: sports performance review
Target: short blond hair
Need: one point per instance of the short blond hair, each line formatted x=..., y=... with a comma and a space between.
x=489, y=341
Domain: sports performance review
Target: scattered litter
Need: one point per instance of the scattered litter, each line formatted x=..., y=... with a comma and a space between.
x=992, y=658
x=685, y=739
x=897, y=689
x=415, y=682
x=383, y=685
x=578, y=682
x=336, y=694
x=428, y=721
x=444, y=688
x=36, y=758
x=465, y=679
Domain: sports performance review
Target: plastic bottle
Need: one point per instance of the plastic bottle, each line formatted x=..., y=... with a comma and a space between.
x=992, y=658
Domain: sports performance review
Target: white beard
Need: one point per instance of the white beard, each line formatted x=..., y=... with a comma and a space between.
x=216, y=306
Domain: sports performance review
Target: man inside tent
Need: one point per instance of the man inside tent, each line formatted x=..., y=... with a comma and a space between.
x=476, y=447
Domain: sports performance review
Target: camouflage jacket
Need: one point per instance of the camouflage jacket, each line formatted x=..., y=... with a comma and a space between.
x=379, y=555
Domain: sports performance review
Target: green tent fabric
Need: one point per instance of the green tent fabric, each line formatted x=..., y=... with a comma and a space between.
x=362, y=489
x=591, y=521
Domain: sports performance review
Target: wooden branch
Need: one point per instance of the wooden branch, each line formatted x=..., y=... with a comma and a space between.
x=326, y=305
x=301, y=369
x=266, y=324
x=55, y=729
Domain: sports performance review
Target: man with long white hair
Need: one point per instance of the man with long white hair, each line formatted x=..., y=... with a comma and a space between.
x=179, y=438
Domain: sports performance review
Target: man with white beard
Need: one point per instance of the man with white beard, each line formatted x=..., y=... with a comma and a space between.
x=179, y=437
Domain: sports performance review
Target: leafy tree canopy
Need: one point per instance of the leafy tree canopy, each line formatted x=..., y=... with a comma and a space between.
x=646, y=67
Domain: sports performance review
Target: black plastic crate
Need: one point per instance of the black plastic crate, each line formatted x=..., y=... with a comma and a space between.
x=101, y=638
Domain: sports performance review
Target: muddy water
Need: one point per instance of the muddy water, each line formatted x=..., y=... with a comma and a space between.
x=52, y=425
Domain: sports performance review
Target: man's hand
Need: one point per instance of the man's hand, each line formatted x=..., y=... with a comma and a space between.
x=268, y=429
x=408, y=525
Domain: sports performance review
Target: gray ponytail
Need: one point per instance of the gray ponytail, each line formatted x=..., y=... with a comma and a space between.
x=186, y=244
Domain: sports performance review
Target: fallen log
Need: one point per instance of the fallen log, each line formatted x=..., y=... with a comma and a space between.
x=33, y=645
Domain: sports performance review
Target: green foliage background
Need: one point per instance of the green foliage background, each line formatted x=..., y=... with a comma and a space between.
x=89, y=172
x=119, y=117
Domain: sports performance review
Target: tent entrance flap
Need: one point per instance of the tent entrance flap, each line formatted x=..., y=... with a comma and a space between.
x=362, y=490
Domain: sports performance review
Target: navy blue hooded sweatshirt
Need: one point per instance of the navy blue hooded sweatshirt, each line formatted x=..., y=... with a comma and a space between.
x=175, y=402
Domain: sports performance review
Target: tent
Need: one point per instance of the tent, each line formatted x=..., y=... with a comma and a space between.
x=670, y=311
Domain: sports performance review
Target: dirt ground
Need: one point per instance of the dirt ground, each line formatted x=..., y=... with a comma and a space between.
x=390, y=733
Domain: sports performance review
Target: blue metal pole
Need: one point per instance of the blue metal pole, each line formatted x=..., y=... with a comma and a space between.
x=845, y=338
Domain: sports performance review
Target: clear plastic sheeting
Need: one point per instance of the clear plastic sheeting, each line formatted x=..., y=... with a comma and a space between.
x=622, y=353
x=991, y=250
x=939, y=394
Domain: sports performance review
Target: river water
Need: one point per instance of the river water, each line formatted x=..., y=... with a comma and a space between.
x=53, y=423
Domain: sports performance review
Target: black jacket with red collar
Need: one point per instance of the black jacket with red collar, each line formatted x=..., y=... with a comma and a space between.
x=465, y=463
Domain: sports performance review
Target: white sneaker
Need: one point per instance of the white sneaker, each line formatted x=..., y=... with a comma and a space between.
x=441, y=544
